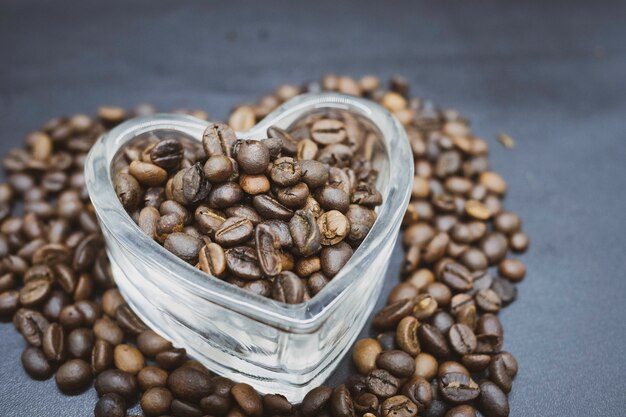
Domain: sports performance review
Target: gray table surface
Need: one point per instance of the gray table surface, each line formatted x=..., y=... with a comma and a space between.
x=550, y=74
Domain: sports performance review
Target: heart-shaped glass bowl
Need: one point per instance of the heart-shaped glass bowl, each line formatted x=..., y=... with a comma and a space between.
x=274, y=346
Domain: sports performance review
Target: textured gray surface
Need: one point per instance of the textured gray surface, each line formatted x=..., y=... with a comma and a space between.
x=550, y=74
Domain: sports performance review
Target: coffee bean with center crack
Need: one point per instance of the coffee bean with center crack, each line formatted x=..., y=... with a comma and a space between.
x=457, y=388
x=381, y=383
x=399, y=406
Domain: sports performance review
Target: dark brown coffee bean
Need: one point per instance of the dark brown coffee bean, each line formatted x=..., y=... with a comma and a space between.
x=285, y=171
x=305, y=234
x=399, y=363
x=171, y=206
x=147, y=174
x=406, y=335
x=281, y=230
x=31, y=324
x=288, y=145
x=328, y=131
x=244, y=211
x=36, y=364
x=35, y=292
x=184, y=246
x=492, y=401
x=151, y=344
x=208, y=220
x=332, y=198
x=9, y=302
x=391, y=315
x=314, y=173
x=243, y=262
x=424, y=307
x=476, y=362
x=128, y=358
x=218, y=139
x=432, y=341
x=341, y=402
x=456, y=276
x=248, y=399
x=288, y=288
x=442, y=320
x=212, y=259
x=216, y=405
x=505, y=290
x=184, y=409
x=294, y=196
x=73, y=376
x=462, y=339
x=234, y=231
x=499, y=374
x=171, y=359
x=190, y=185
x=382, y=383
x=154, y=197
x=361, y=222
x=108, y=330
x=54, y=343
x=276, y=404
x=101, y=356
x=114, y=381
x=189, y=384
x=128, y=320
x=457, y=388
x=333, y=258
x=167, y=153
x=315, y=401
x=271, y=208
x=419, y=391
x=399, y=406
x=80, y=343
x=426, y=366
x=151, y=376
x=219, y=168
x=128, y=190
x=252, y=156
x=110, y=405
x=366, y=195
x=462, y=411
x=268, y=246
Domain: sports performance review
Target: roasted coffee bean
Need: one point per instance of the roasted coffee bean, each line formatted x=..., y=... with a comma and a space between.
x=276, y=404
x=457, y=388
x=424, y=307
x=406, y=335
x=314, y=173
x=35, y=292
x=425, y=366
x=243, y=262
x=364, y=354
x=9, y=302
x=456, y=276
x=107, y=329
x=387, y=340
x=328, y=131
x=114, y=381
x=128, y=190
x=333, y=226
x=462, y=339
x=167, y=153
x=271, y=208
x=171, y=206
x=512, y=269
x=488, y=300
x=102, y=355
x=494, y=246
x=184, y=409
x=268, y=246
x=154, y=197
x=361, y=221
x=381, y=383
x=73, y=376
x=294, y=196
x=333, y=258
x=332, y=198
x=147, y=174
x=462, y=411
x=128, y=320
x=315, y=401
x=189, y=384
x=168, y=224
x=225, y=195
x=254, y=184
x=128, y=358
x=448, y=367
x=402, y=291
x=36, y=364
x=151, y=344
x=442, y=320
x=432, y=341
x=391, y=315
x=399, y=363
x=505, y=290
x=305, y=234
x=399, y=406
x=419, y=391
x=218, y=139
x=476, y=362
x=150, y=377
x=366, y=403
x=519, y=242
x=288, y=288
x=171, y=359
x=316, y=282
x=289, y=146
x=492, y=401
x=54, y=343
x=500, y=374
x=110, y=405
x=341, y=402
x=286, y=171
x=184, y=246
x=156, y=401
x=252, y=156
x=31, y=324
x=212, y=259
x=234, y=231
x=248, y=399
x=80, y=343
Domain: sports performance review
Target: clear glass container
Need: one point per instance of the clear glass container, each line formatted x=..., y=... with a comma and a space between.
x=273, y=346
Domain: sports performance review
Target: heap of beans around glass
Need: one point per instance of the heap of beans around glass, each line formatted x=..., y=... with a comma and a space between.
x=278, y=217
x=437, y=348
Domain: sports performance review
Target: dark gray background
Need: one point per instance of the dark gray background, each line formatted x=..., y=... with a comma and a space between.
x=550, y=74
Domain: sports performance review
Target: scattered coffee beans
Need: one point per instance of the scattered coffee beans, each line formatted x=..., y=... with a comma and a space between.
x=306, y=195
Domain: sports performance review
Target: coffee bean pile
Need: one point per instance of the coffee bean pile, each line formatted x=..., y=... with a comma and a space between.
x=278, y=217
x=439, y=347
